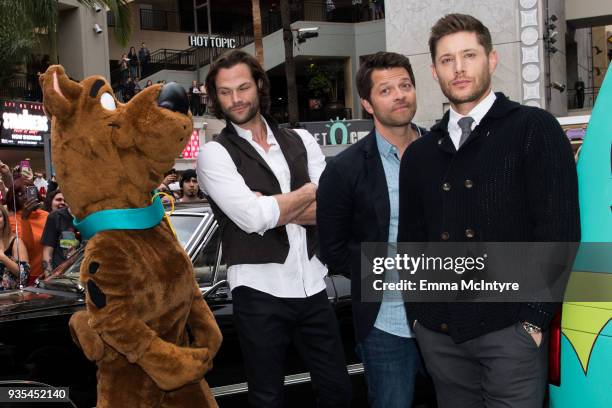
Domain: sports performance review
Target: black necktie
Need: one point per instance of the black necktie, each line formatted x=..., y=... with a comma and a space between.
x=466, y=128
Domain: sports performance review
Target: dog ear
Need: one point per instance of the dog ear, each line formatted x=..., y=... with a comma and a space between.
x=60, y=93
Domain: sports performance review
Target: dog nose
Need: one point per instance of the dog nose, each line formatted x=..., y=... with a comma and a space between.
x=173, y=97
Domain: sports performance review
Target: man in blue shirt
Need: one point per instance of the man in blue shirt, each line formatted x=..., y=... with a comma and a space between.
x=357, y=201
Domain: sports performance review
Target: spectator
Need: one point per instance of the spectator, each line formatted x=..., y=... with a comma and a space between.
x=169, y=185
x=41, y=184
x=145, y=57
x=130, y=90
x=137, y=87
x=329, y=9
x=149, y=83
x=13, y=254
x=27, y=221
x=124, y=69
x=203, y=99
x=356, y=10
x=54, y=201
x=60, y=239
x=133, y=62
x=5, y=180
x=189, y=187
x=379, y=9
x=194, y=98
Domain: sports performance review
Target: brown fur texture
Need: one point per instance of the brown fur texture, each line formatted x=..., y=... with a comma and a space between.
x=141, y=289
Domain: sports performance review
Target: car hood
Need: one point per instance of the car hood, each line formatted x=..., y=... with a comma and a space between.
x=36, y=302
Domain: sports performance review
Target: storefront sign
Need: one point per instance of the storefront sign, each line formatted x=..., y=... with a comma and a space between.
x=339, y=131
x=211, y=42
x=22, y=123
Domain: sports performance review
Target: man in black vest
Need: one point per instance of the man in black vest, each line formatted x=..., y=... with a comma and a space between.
x=262, y=182
x=357, y=201
x=490, y=171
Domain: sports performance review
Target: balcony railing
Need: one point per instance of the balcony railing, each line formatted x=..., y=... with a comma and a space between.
x=24, y=87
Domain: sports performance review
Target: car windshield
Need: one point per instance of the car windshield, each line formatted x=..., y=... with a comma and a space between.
x=185, y=226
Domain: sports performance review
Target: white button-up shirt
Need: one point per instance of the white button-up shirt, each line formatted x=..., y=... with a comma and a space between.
x=477, y=113
x=218, y=177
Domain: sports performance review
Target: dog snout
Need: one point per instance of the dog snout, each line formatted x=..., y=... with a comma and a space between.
x=173, y=97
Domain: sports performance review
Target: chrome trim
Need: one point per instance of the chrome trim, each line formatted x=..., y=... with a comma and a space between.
x=294, y=379
x=214, y=288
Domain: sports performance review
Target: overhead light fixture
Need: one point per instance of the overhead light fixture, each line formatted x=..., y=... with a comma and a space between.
x=97, y=29
x=558, y=86
x=97, y=8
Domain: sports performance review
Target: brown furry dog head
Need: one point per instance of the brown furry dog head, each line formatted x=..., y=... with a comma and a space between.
x=108, y=154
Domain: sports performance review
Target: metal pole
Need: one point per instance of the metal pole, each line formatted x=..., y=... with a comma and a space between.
x=195, y=28
x=210, y=54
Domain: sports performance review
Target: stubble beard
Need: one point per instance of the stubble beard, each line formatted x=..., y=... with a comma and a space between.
x=472, y=97
x=250, y=114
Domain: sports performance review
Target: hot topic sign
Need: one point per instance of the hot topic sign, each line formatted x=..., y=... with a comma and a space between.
x=211, y=42
x=22, y=123
x=339, y=131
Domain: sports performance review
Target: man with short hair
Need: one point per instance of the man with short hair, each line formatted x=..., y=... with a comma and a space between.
x=262, y=180
x=144, y=56
x=189, y=187
x=490, y=171
x=60, y=238
x=357, y=201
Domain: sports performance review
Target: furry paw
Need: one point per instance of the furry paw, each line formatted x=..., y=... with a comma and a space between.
x=85, y=337
x=172, y=367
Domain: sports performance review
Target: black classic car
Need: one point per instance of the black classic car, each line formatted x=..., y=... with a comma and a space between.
x=36, y=347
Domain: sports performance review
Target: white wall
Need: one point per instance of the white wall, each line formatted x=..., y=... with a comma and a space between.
x=408, y=24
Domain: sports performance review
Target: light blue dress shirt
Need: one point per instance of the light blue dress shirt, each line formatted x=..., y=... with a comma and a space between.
x=392, y=314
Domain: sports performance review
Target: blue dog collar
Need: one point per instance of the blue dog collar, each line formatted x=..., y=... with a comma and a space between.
x=121, y=219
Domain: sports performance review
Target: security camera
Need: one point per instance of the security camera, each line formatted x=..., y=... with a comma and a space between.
x=97, y=29
x=305, y=33
x=558, y=86
x=97, y=8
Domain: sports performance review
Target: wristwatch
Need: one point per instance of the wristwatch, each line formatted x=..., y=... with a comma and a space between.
x=531, y=328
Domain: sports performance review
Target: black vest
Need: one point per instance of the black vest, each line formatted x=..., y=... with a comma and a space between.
x=240, y=247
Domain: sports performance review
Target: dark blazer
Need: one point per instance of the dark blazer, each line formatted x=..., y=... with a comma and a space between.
x=353, y=207
x=513, y=180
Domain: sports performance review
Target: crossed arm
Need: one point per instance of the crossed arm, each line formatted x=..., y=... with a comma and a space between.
x=250, y=210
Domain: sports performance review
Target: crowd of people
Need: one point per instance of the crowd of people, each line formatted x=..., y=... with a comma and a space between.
x=133, y=66
x=36, y=226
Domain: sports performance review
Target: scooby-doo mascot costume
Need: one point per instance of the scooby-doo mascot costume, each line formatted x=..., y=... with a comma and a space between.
x=147, y=327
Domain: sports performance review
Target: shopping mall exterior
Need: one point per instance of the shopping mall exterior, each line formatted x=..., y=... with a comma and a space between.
x=546, y=47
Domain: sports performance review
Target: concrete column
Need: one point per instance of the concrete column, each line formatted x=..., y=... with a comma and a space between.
x=81, y=50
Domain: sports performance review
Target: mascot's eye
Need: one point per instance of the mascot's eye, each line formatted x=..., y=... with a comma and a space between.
x=107, y=101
